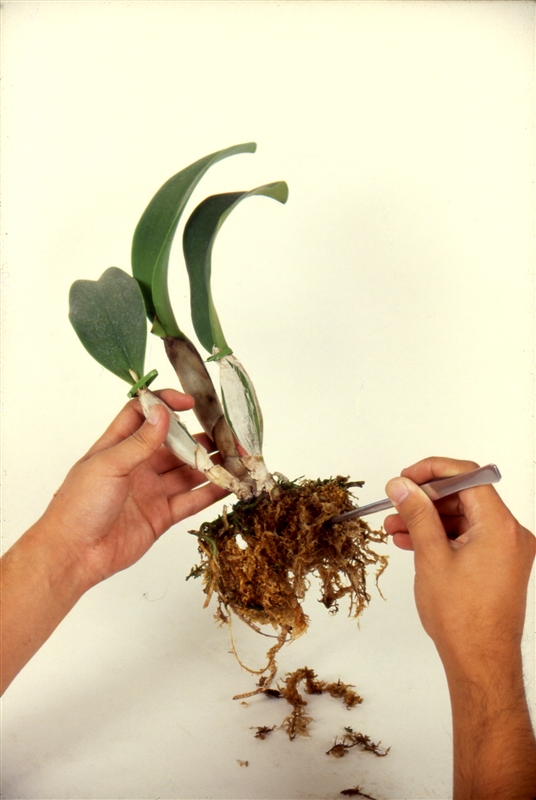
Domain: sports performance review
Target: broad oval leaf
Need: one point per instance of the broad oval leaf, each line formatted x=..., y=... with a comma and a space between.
x=199, y=235
x=154, y=234
x=108, y=316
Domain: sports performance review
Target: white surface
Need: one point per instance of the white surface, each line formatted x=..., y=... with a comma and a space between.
x=385, y=313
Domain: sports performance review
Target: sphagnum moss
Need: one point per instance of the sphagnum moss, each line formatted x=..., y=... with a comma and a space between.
x=287, y=541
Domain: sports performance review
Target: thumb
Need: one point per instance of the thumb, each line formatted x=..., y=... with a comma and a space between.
x=419, y=515
x=124, y=457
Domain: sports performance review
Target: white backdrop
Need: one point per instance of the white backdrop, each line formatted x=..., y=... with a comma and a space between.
x=385, y=314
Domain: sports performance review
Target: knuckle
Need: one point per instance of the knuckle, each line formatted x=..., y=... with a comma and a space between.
x=418, y=516
x=441, y=466
x=469, y=465
x=139, y=439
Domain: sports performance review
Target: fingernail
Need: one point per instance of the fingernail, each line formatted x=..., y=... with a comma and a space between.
x=397, y=491
x=152, y=419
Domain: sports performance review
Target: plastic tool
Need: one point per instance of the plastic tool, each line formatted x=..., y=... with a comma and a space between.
x=435, y=490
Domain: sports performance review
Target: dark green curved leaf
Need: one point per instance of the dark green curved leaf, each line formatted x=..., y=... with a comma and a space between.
x=154, y=234
x=199, y=236
x=109, y=317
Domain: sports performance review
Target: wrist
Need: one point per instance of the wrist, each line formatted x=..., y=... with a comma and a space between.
x=56, y=565
x=478, y=644
x=484, y=667
x=493, y=739
x=41, y=582
x=487, y=693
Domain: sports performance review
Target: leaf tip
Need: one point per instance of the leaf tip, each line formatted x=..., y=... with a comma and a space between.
x=283, y=192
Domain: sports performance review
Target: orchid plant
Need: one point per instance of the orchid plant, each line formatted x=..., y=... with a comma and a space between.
x=109, y=317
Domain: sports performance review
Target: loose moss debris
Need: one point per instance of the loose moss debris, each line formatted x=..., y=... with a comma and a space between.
x=258, y=559
x=263, y=731
x=297, y=722
x=352, y=738
x=356, y=792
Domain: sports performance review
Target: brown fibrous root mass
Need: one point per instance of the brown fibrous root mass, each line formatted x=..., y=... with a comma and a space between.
x=258, y=559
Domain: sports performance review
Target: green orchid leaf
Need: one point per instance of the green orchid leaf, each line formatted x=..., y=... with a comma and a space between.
x=154, y=234
x=199, y=236
x=108, y=316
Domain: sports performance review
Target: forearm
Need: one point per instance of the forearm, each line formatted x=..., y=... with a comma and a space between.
x=40, y=582
x=494, y=744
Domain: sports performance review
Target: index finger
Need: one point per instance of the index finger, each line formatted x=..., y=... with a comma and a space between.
x=434, y=467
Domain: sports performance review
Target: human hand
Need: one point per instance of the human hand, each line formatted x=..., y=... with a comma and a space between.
x=126, y=492
x=472, y=562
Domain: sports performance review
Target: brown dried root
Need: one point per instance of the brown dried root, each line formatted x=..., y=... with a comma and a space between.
x=352, y=738
x=264, y=681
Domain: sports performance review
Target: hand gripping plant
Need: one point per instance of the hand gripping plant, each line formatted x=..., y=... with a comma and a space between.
x=258, y=557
